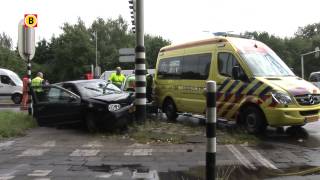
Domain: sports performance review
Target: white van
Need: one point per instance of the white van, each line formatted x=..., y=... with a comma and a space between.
x=10, y=85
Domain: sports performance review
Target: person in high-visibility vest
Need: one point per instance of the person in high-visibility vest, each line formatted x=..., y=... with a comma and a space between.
x=117, y=78
x=37, y=82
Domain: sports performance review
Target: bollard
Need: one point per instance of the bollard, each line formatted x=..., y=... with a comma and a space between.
x=30, y=107
x=211, y=131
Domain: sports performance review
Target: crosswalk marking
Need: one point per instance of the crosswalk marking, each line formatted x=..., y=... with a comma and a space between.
x=6, y=144
x=93, y=144
x=85, y=152
x=40, y=173
x=260, y=158
x=48, y=144
x=138, y=152
x=34, y=152
x=241, y=157
x=6, y=177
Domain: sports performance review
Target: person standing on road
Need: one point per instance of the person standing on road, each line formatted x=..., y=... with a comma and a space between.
x=117, y=78
x=37, y=82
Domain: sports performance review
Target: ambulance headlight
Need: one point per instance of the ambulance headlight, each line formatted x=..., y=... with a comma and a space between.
x=281, y=98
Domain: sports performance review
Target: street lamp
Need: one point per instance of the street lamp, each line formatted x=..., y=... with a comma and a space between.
x=317, y=54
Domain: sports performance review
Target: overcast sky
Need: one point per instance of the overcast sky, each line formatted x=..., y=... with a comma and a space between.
x=176, y=20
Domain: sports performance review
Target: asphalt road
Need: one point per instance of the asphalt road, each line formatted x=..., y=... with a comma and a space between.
x=51, y=153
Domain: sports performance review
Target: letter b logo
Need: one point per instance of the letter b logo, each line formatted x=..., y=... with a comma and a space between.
x=30, y=20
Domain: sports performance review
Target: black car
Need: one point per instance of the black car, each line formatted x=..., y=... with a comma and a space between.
x=96, y=103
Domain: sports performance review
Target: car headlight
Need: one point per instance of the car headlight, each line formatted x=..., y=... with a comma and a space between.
x=114, y=107
x=281, y=98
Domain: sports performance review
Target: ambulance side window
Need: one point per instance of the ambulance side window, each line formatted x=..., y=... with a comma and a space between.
x=226, y=61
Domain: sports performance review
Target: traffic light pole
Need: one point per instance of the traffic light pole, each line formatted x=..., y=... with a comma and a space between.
x=140, y=66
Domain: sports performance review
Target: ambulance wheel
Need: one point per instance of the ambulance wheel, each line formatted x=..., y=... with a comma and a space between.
x=16, y=98
x=169, y=108
x=90, y=123
x=254, y=120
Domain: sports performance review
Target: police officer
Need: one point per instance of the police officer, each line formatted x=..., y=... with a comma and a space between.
x=117, y=78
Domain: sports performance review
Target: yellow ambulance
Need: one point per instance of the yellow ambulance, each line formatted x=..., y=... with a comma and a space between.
x=254, y=86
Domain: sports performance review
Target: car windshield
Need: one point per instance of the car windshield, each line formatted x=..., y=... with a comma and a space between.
x=15, y=78
x=93, y=89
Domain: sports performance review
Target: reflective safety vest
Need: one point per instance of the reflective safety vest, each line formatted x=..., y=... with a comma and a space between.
x=36, y=84
x=117, y=79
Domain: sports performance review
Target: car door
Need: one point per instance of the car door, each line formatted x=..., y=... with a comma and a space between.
x=230, y=91
x=55, y=105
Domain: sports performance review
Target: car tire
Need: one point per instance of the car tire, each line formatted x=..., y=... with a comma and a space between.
x=254, y=120
x=90, y=123
x=16, y=98
x=169, y=108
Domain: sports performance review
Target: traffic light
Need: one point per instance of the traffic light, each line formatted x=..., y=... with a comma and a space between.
x=132, y=7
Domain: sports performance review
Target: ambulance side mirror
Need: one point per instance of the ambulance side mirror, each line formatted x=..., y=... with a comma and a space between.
x=236, y=72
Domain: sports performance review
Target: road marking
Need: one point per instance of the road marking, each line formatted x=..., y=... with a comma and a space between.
x=40, y=173
x=138, y=152
x=85, y=152
x=241, y=157
x=6, y=144
x=93, y=144
x=260, y=158
x=108, y=175
x=152, y=175
x=48, y=144
x=34, y=152
x=6, y=177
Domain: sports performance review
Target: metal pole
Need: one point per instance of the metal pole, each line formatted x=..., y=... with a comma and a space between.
x=140, y=66
x=96, y=35
x=302, y=67
x=30, y=106
x=211, y=131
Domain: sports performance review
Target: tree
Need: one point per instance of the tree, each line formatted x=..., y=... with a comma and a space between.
x=5, y=41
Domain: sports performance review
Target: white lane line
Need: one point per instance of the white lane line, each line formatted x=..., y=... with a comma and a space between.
x=34, y=152
x=6, y=144
x=138, y=152
x=48, y=144
x=40, y=173
x=104, y=176
x=241, y=157
x=92, y=144
x=85, y=152
x=260, y=158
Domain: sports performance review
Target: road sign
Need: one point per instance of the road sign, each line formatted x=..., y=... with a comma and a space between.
x=31, y=20
x=127, y=58
x=126, y=55
x=317, y=54
x=126, y=51
x=26, y=41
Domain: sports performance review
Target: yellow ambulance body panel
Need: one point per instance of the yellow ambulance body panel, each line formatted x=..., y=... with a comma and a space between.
x=253, y=83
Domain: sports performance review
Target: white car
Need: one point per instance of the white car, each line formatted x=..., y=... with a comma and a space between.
x=10, y=85
x=314, y=78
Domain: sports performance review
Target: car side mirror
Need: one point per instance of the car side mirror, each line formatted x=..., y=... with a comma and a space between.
x=236, y=72
x=73, y=99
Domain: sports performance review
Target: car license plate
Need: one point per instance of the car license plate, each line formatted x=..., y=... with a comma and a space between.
x=312, y=118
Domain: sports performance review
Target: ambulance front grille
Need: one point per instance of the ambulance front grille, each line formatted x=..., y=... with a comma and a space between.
x=308, y=99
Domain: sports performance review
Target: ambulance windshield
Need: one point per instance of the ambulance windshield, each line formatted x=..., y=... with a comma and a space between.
x=265, y=64
x=261, y=60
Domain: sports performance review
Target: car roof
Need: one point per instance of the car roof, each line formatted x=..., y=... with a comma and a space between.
x=6, y=71
x=82, y=81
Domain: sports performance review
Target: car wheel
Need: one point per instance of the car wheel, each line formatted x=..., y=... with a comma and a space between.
x=170, y=110
x=254, y=120
x=16, y=98
x=90, y=123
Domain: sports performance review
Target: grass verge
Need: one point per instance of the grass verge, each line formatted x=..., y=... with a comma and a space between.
x=15, y=123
